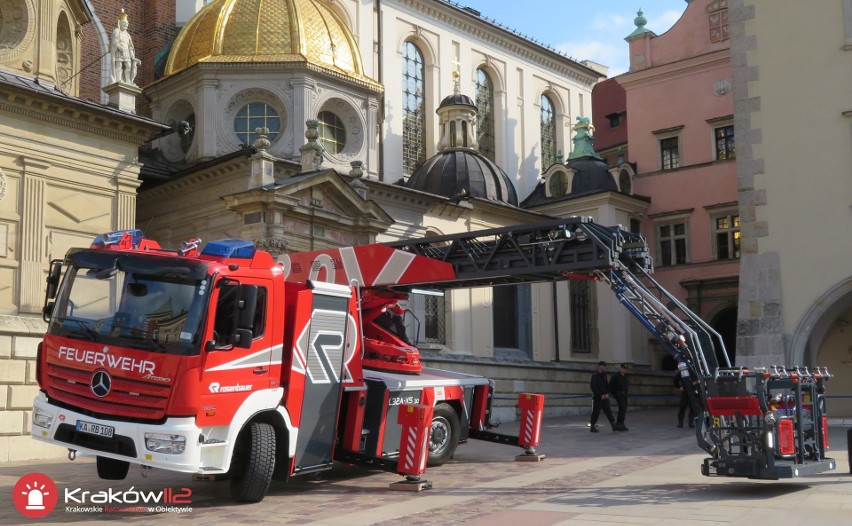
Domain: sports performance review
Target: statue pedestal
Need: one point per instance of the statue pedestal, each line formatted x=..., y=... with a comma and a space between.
x=123, y=96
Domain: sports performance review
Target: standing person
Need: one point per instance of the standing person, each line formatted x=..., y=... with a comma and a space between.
x=618, y=387
x=600, y=397
x=684, y=402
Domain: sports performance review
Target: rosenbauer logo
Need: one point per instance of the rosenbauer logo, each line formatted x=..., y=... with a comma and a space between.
x=35, y=495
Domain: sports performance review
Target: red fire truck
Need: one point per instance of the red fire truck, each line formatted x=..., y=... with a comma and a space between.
x=220, y=361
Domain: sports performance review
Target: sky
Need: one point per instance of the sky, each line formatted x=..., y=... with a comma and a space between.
x=582, y=29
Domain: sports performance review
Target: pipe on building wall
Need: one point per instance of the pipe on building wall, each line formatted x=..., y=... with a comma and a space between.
x=555, y=320
x=379, y=73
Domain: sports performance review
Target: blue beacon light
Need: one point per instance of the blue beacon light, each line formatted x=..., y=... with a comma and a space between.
x=230, y=248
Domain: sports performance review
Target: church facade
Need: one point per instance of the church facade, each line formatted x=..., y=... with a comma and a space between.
x=69, y=170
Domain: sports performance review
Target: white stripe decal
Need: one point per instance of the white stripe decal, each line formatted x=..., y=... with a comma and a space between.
x=350, y=265
x=395, y=267
x=252, y=360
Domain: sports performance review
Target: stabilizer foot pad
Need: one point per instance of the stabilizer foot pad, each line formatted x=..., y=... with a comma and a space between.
x=411, y=485
x=529, y=458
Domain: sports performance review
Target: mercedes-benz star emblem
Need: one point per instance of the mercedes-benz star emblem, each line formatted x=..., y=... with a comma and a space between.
x=101, y=383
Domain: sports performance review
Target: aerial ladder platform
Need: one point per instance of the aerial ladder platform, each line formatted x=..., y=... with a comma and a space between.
x=766, y=422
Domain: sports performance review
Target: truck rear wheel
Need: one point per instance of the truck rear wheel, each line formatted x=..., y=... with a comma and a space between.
x=444, y=435
x=253, y=463
x=111, y=469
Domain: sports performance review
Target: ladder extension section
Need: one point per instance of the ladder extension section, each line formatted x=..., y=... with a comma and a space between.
x=552, y=250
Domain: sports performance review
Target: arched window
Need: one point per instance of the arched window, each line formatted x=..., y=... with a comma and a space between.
x=548, y=133
x=332, y=134
x=485, y=114
x=413, y=109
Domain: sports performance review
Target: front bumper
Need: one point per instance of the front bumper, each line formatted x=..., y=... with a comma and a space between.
x=127, y=442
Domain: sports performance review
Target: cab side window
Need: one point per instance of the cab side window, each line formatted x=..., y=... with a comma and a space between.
x=259, y=324
x=226, y=306
x=224, y=328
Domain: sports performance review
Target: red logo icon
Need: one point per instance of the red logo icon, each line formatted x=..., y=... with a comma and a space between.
x=35, y=495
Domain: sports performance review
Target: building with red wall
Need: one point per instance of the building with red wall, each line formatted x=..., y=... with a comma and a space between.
x=681, y=137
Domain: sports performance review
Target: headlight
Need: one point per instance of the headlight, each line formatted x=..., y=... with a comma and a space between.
x=770, y=418
x=162, y=443
x=42, y=418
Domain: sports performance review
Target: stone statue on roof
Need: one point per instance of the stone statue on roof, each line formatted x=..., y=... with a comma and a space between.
x=125, y=65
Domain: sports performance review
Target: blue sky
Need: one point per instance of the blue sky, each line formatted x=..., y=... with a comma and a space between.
x=582, y=29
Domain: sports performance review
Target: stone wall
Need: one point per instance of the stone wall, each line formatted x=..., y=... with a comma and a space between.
x=19, y=339
x=565, y=386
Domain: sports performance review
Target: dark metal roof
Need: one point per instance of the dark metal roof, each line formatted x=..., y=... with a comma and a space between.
x=453, y=172
x=591, y=176
x=457, y=99
x=33, y=86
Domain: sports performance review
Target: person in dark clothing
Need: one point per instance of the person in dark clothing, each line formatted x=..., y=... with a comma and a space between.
x=600, y=398
x=618, y=387
x=684, y=403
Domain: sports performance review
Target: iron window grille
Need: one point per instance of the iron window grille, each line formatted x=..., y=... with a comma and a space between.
x=580, y=299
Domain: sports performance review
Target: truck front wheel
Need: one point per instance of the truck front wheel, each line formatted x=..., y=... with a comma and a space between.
x=444, y=436
x=253, y=463
x=111, y=469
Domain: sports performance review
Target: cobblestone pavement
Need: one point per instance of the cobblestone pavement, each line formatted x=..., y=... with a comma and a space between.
x=648, y=475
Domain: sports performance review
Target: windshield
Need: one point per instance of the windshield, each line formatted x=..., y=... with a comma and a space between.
x=146, y=302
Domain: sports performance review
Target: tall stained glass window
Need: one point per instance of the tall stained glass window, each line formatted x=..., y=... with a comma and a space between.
x=485, y=114
x=413, y=109
x=548, y=133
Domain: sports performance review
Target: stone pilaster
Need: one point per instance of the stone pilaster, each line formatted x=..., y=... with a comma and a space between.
x=32, y=243
x=304, y=91
x=205, y=124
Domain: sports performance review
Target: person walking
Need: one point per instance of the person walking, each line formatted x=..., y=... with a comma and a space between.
x=684, y=402
x=600, y=398
x=618, y=387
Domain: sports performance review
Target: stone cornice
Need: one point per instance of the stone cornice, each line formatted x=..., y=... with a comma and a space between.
x=243, y=63
x=225, y=172
x=446, y=14
x=81, y=116
x=677, y=69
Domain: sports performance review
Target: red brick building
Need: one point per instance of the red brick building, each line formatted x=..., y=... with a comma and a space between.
x=152, y=27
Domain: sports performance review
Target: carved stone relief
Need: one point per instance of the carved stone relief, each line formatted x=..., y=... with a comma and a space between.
x=64, y=55
x=17, y=27
x=2, y=185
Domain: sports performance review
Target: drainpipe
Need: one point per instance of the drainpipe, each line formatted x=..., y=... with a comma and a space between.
x=555, y=320
x=379, y=73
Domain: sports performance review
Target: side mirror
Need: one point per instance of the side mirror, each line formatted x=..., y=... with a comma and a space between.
x=246, y=306
x=53, y=277
x=242, y=338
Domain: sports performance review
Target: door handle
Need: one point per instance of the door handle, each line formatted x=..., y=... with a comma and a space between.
x=260, y=370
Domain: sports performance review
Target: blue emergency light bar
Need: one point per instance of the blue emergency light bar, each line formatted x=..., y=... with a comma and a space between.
x=230, y=248
x=112, y=238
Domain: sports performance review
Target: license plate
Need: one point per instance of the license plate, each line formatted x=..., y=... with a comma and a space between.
x=95, y=429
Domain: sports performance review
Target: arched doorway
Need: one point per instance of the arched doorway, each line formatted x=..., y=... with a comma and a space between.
x=823, y=338
x=725, y=323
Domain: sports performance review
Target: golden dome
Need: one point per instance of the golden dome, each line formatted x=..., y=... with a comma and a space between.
x=267, y=31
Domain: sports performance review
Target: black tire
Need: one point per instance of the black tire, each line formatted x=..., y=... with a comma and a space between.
x=253, y=463
x=111, y=469
x=444, y=435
